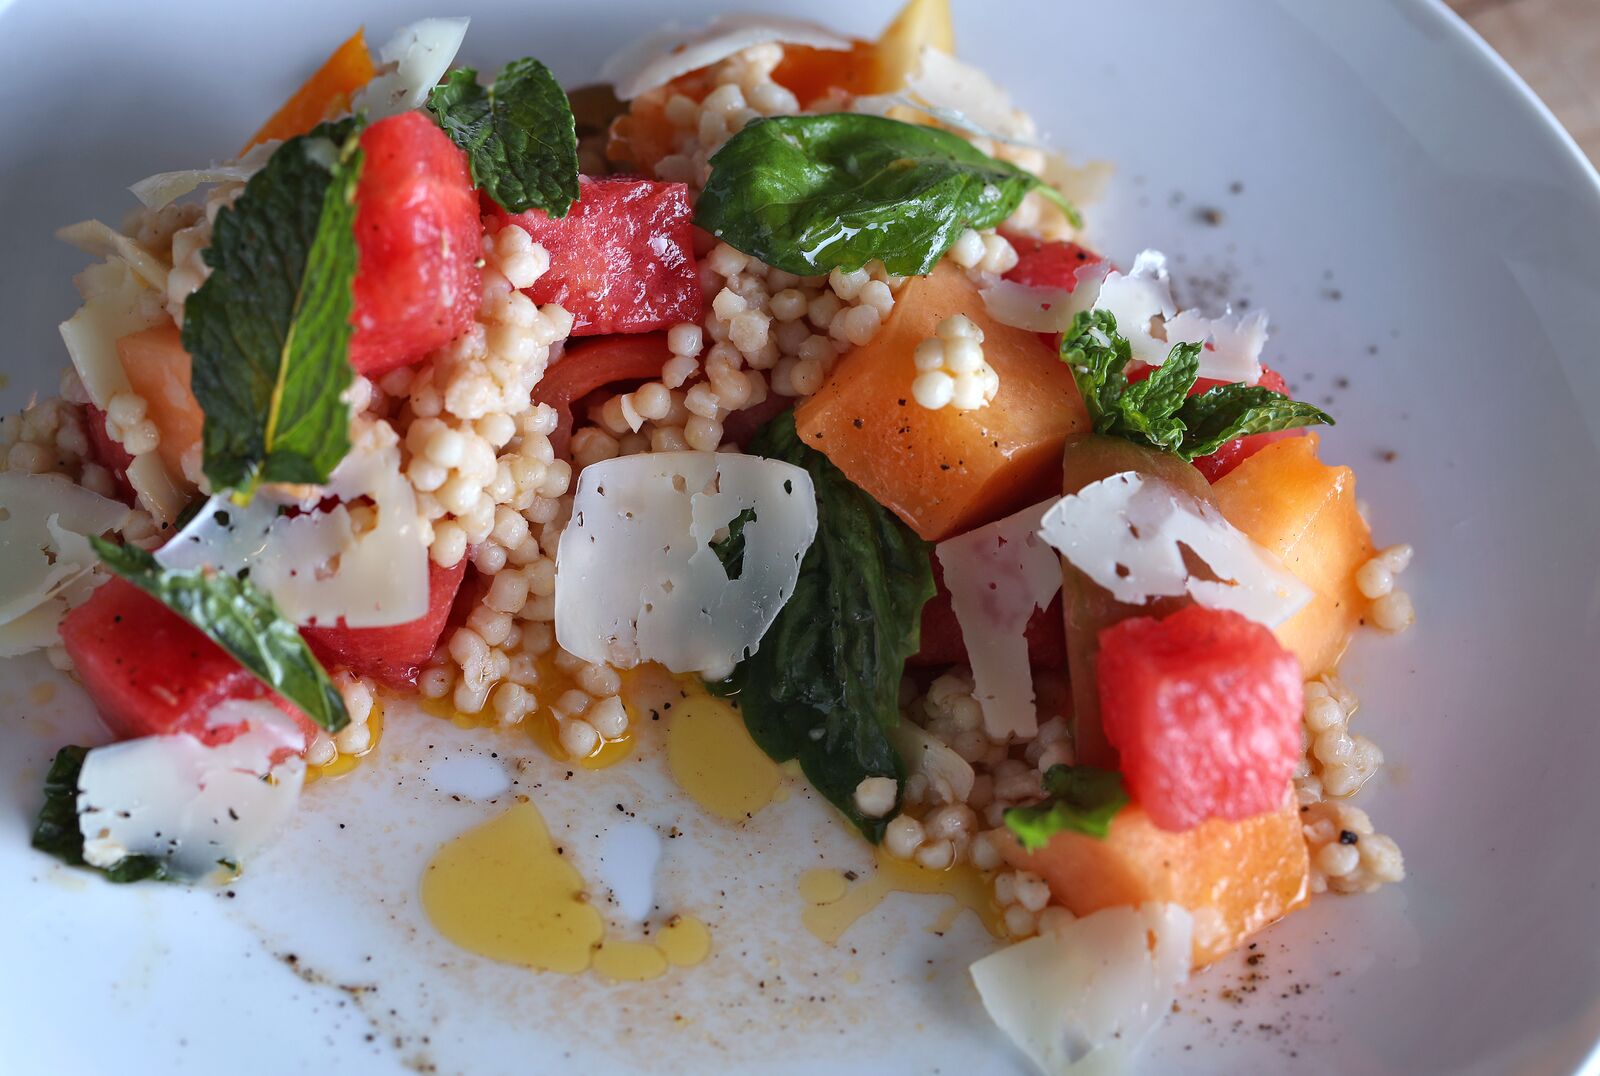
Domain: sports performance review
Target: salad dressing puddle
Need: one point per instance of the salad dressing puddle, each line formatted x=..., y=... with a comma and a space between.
x=504, y=890
x=835, y=901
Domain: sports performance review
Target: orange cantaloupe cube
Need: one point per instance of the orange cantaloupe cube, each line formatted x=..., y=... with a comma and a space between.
x=946, y=471
x=868, y=67
x=1234, y=877
x=158, y=369
x=1304, y=511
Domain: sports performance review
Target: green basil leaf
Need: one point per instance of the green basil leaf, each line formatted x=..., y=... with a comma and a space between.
x=57, y=832
x=519, y=135
x=240, y=618
x=1079, y=798
x=1220, y=414
x=825, y=685
x=269, y=330
x=730, y=549
x=808, y=194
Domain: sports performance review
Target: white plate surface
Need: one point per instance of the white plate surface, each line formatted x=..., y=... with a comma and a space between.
x=1428, y=244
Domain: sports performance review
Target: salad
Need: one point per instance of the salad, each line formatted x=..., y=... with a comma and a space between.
x=779, y=363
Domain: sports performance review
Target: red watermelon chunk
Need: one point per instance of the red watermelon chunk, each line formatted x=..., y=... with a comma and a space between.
x=150, y=673
x=1204, y=708
x=108, y=453
x=392, y=655
x=621, y=260
x=419, y=235
x=593, y=365
x=1042, y=264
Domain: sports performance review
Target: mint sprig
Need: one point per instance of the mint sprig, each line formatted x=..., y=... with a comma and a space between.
x=269, y=330
x=519, y=135
x=1158, y=411
x=1080, y=799
x=244, y=621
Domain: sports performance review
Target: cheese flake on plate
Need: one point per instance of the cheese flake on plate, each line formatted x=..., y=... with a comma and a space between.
x=1082, y=998
x=194, y=806
x=637, y=579
x=46, y=563
x=1128, y=535
x=1141, y=301
x=1044, y=309
x=410, y=64
x=658, y=58
x=998, y=575
x=163, y=188
x=315, y=565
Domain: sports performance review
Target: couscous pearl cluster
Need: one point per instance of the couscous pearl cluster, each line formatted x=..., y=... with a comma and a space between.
x=1347, y=856
x=951, y=369
x=1391, y=610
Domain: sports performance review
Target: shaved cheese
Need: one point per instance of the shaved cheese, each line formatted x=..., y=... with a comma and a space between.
x=1129, y=535
x=637, y=579
x=936, y=760
x=1083, y=998
x=314, y=564
x=964, y=91
x=190, y=805
x=1043, y=310
x=658, y=58
x=46, y=563
x=117, y=303
x=163, y=188
x=1080, y=183
x=998, y=575
x=103, y=241
x=410, y=64
x=1142, y=303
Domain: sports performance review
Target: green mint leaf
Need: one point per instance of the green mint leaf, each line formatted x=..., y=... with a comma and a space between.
x=825, y=685
x=1079, y=798
x=237, y=616
x=1158, y=411
x=1221, y=414
x=269, y=330
x=519, y=135
x=808, y=194
x=730, y=549
x=57, y=832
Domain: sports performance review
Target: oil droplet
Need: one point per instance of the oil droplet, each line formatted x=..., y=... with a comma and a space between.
x=828, y=921
x=344, y=763
x=503, y=891
x=823, y=885
x=40, y=694
x=714, y=760
x=685, y=941
x=630, y=961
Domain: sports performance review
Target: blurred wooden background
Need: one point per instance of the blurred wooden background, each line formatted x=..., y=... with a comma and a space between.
x=1555, y=46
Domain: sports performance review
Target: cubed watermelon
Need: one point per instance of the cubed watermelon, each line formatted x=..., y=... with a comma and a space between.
x=1203, y=707
x=108, y=453
x=392, y=655
x=621, y=260
x=150, y=673
x=1053, y=264
x=419, y=234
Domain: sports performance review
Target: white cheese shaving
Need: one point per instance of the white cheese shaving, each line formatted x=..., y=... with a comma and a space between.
x=658, y=58
x=46, y=563
x=99, y=239
x=410, y=64
x=163, y=188
x=193, y=806
x=315, y=565
x=1041, y=309
x=637, y=579
x=964, y=91
x=1082, y=999
x=1146, y=314
x=936, y=760
x=998, y=575
x=1081, y=184
x=1128, y=535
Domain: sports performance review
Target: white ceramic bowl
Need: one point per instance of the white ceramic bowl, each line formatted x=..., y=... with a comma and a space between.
x=1428, y=243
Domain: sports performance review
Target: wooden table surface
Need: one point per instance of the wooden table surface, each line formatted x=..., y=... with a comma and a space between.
x=1555, y=45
